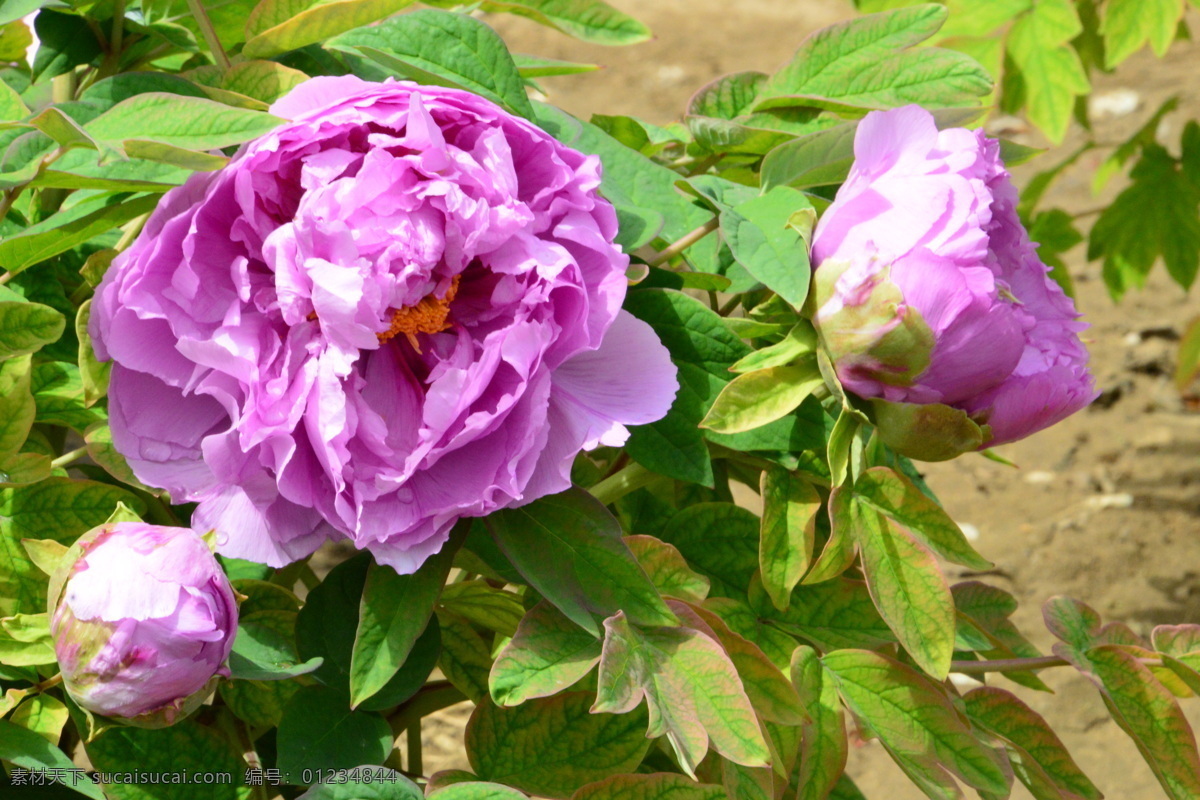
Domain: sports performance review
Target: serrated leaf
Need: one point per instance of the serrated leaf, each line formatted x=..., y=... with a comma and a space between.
x=549, y=653
x=554, y=745
x=691, y=689
x=787, y=532
x=1129, y=24
x=444, y=49
x=1129, y=245
x=277, y=26
x=1038, y=757
x=587, y=20
x=720, y=541
x=668, y=569
x=906, y=584
x=55, y=508
x=656, y=786
x=864, y=63
x=25, y=327
x=393, y=612
x=913, y=717
x=569, y=548
x=1053, y=75
x=897, y=498
x=756, y=398
x=823, y=743
x=28, y=750
x=320, y=731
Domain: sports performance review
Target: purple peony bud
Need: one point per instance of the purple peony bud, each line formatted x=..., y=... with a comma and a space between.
x=400, y=309
x=930, y=299
x=143, y=620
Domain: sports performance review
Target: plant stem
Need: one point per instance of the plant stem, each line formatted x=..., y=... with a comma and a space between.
x=6, y=277
x=118, y=29
x=210, y=34
x=730, y=305
x=684, y=242
x=414, y=764
x=629, y=478
x=49, y=683
x=69, y=457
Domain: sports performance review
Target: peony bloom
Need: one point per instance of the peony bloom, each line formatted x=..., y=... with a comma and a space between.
x=930, y=299
x=399, y=309
x=143, y=620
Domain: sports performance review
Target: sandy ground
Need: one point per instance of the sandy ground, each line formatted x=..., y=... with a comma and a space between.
x=1105, y=506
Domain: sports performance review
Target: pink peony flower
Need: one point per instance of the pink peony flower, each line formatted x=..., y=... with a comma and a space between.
x=399, y=309
x=142, y=622
x=928, y=291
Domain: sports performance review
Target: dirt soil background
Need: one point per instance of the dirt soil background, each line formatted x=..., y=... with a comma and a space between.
x=1105, y=507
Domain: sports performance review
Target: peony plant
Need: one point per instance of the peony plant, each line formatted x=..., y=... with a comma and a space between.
x=603, y=428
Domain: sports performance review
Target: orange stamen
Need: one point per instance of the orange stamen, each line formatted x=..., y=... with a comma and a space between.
x=429, y=315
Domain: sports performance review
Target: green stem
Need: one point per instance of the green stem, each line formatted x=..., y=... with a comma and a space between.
x=629, y=478
x=210, y=34
x=1007, y=665
x=684, y=242
x=730, y=305
x=49, y=683
x=69, y=457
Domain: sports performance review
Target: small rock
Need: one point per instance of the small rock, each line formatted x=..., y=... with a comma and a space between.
x=964, y=683
x=1116, y=103
x=969, y=531
x=1117, y=500
x=1040, y=477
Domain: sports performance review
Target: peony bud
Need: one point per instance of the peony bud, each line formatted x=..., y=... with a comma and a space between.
x=930, y=300
x=143, y=620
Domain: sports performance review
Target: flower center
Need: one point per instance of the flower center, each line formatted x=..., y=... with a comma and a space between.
x=429, y=315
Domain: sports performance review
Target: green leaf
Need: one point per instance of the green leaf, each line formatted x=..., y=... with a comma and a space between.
x=835, y=614
x=264, y=648
x=25, y=327
x=190, y=123
x=444, y=49
x=1073, y=622
x=186, y=747
x=548, y=654
x=465, y=659
x=64, y=42
x=913, y=718
x=787, y=532
x=43, y=714
x=1049, y=67
x=263, y=80
x=1038, y=757
x=320, y=731
x=823, y=742
x=720, y=541
x=1129, y=244
x=658, y=786
x=691, y=689
x=674, y=445
x=62, y=129
x=768, y=235
x=66, y=229
x=865, y=63
x=393, y=612
x=12, y=108
x=897, y=498
x=25, y=642
x=817, y=159
x=108, y=92
x=1128, y=24
x=588, y=20
x=728, y=97
x=58, y=509
x=667, y=569
x=691, y=331
x=478, y=790
x=756, y=398
x=26, y=749
x=477, y=601
x=552, y=746
x=984, y=626
x=569, y=548
x=905, y=582
x=98, y=439
x=92, y=372
x=538, y=67
x=16, y=404
x=275, y=27
x=58, y=392
x=1146, y=135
